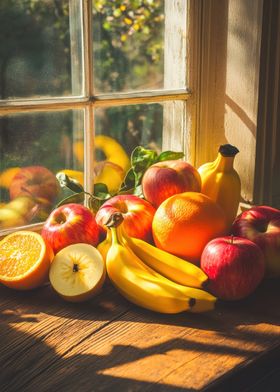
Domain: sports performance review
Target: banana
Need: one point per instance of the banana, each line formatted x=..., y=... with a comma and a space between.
x=139, y=284
x=221, y=182
x=204, y=301
x=170, y=266
x=104, y=246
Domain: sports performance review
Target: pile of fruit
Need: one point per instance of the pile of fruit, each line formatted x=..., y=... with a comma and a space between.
x=169, y=240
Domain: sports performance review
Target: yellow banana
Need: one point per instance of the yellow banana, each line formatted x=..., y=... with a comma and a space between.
x=168, y=265
x=104, y=246
x=135, y=282
x=113, y=150
x=145, y=287
x=221, y=182
x=204, y=301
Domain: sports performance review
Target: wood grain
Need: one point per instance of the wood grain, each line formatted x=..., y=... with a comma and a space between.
x=109, y=344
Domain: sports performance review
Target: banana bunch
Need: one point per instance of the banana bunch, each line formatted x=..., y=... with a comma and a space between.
x=152, y=278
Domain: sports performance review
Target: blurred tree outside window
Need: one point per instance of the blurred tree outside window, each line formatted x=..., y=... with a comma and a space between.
x=42, y=56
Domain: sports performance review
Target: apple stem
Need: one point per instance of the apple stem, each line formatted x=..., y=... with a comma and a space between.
x=231, y=239
x=115, y=220
x=75, y=267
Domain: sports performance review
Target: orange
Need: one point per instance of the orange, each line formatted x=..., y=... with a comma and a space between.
x=185, y=222
x=24, y=260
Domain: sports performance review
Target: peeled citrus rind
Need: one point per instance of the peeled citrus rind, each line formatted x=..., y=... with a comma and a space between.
x=24, y=260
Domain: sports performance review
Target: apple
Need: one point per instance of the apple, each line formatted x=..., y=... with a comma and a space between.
x=35, y=181
x=261, y=224
x=137, y=213
x=77, y=272
x=164, y=179
x=235, y=266
x=70, y=224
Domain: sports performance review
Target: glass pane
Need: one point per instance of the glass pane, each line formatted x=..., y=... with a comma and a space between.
x=128, y=45
x=118, y=131
x=33, y=149
x=40, y=48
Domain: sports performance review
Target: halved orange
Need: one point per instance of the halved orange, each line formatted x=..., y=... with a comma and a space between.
x=24, y=260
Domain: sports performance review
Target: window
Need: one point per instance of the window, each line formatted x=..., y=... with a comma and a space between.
x=83, y=82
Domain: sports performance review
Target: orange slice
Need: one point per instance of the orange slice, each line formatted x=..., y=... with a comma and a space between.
x=24, y=260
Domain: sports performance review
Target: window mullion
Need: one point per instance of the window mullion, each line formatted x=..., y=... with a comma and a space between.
x=88, y=75
x=87, y=53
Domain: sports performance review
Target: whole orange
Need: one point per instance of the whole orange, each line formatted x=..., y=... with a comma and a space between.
x=184, y=223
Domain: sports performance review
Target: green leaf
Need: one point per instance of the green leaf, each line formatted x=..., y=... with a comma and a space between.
x=100, y=191
x=70, y=183
x=141, y=158
x=170, y=156
x=129, y=181
x=75, y=198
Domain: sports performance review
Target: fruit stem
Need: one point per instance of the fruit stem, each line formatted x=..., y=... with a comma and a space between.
x=115, y=238
x=228, y=150
x=231, y=239
x=75, y=267
x=115, y=220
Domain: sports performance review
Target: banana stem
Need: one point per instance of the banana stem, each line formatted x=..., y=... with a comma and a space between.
x=115, y=238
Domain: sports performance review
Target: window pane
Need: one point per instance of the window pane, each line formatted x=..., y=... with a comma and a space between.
x=40, y=48
x=33, y=149
x=128, y=45
x=120, y=129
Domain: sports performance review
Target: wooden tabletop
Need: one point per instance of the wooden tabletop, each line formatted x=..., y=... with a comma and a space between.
x=108, y=344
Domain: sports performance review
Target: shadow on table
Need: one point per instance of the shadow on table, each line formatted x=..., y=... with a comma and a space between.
x=27, y=363
x=261, y=307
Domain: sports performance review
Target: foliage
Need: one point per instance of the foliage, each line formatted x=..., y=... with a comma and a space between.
x=128, y=43
x=141, y=159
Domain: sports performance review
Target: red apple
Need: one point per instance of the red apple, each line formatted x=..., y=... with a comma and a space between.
x=165, y=179
x=137, y=213
x=261, y=225
x=35, y=181
x=235, y=267
x=70, y=224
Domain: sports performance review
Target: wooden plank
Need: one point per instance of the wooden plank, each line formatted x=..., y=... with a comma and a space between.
x=106, y=345
x=35, y=324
